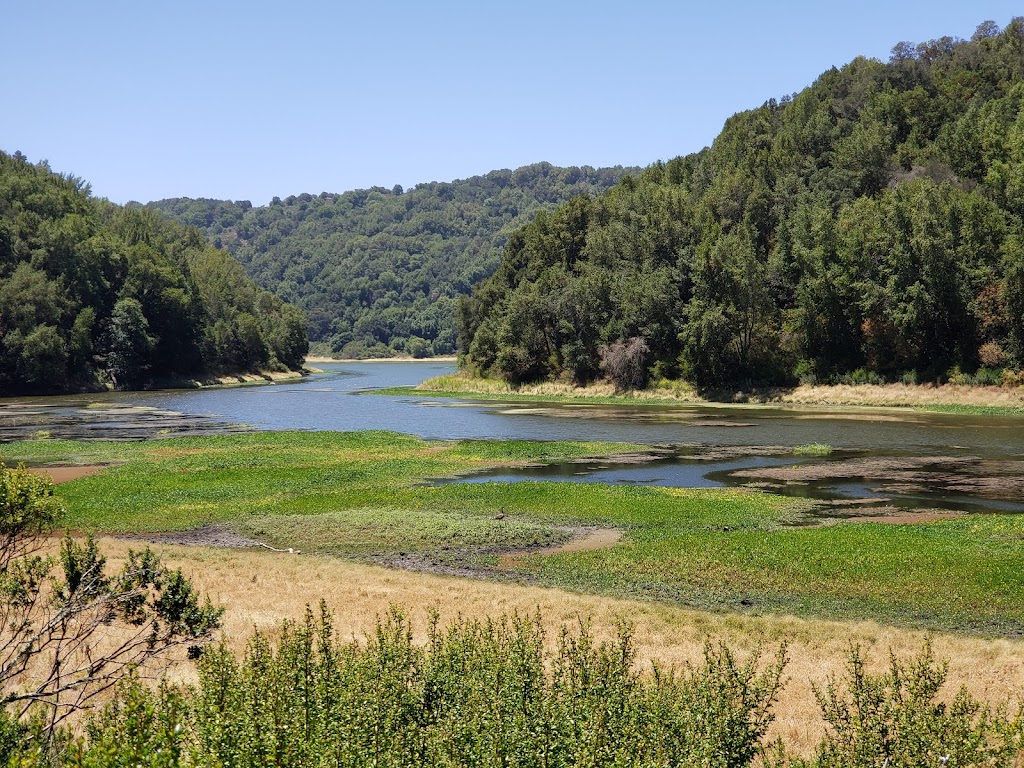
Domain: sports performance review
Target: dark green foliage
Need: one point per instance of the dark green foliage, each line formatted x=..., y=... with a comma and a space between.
x=379, y=271
x=91, y=292
x=873, y=221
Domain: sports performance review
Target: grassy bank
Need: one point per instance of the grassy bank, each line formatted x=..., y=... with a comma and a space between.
x=363, y=496
x=947, y=398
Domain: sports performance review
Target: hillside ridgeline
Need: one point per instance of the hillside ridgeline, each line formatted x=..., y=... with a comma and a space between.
x=379, y=271
x=867, y=229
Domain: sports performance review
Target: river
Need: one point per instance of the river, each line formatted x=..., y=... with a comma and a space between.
x=887, y=458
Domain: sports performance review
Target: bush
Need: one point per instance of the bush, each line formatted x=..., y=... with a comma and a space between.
x=625, y=363
x=69, y=628
x=896, y=719
x=479, y=693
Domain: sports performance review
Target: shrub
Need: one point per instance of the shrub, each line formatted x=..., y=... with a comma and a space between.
x=479, y=693
x=625, y=363
x=991, y=355
x=69, y=628
x=896, y=719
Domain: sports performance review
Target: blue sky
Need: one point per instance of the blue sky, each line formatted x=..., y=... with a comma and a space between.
x=247, y=100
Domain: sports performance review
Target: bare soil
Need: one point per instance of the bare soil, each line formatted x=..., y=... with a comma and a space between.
x=209, y=535
x=956, y=474
x=66, y=474
x=586, y=540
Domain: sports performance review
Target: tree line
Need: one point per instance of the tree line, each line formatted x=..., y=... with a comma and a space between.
x=92, y=294
x=868, y=228
x=379, y=271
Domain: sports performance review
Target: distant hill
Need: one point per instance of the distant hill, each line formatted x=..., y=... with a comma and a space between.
x=380, y=271
x=869, y=227
x=93, y=294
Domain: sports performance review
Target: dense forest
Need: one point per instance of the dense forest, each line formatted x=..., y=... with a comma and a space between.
x=868, y=228
x=92, y=294
x=380, y=271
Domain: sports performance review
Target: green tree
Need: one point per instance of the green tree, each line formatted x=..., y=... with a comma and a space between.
x=131, y=346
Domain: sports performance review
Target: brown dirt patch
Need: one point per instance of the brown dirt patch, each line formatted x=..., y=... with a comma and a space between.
x=904, y=517
x=67, y=474
x=956, y=474
x=209, y=535
x=587, y=540
x=888, y=515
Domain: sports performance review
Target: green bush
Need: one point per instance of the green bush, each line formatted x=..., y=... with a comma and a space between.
x=896, y=719
x=479, y=693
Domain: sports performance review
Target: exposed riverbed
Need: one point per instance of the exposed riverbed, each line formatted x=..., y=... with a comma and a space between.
x=884, y=463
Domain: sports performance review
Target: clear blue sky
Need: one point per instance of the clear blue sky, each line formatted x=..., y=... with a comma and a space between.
x=247, y=100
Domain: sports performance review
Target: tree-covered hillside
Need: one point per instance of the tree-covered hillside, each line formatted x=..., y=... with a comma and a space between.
x=93, y=293
x=869, y=227
x=379, y=271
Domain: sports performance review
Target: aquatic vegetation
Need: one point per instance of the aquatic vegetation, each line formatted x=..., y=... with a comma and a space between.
x=812, y=449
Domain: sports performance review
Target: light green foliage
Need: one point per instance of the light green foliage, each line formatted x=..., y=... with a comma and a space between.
x=92, y=293
x=379, y=271
x=494, y=692
x=900, y=719
x=479, y=693
x=812, y=449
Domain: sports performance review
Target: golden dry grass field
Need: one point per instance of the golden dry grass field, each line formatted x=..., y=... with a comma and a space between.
x=260, y=589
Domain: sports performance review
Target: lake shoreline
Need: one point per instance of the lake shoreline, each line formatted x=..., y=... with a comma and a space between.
x=954, y=397
x=395, y=359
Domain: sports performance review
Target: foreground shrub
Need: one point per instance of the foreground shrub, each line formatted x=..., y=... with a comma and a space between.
x=896, y=720
x=494, y=693
x=70, y=627
x=477, y=694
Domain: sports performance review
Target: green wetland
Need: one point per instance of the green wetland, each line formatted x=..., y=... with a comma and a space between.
x=746, y=509
x=365, y=496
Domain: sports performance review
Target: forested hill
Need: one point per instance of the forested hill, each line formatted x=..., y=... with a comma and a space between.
x=94, y=294
x=869, y=227
x=379, y=271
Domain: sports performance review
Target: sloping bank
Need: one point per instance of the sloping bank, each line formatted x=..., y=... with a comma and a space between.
x=951, y=397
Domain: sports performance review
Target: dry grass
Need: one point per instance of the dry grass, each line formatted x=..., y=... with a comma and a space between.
x=904, y=395
x=261, y=588
x=461, y=382
x=887, y=395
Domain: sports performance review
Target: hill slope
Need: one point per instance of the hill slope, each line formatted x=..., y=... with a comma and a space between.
x=93, y=293
x=379, y=271
x=871, y=226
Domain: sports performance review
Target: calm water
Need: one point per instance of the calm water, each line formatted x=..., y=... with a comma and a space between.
x=938, y=458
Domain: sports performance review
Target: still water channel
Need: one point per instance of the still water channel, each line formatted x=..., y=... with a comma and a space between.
x=885, y=460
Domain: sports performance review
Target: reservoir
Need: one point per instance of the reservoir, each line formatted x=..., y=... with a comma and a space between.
x=886, y=457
